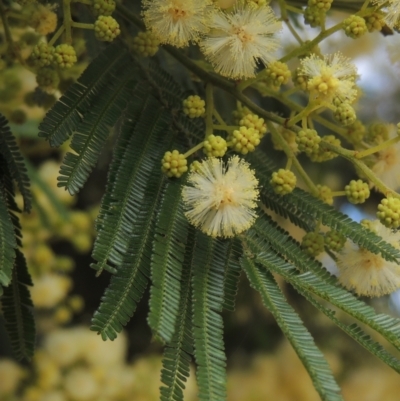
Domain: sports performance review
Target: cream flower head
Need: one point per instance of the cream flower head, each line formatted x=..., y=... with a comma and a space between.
x=177, y=22
x=220, y=199
x=387, y=163
x=330, y=77
x=392, y=17
x=367, y=273
x=237, y=40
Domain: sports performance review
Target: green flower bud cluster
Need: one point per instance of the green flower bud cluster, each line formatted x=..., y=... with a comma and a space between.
x=299, y=80
x=42, y=55
x=290, y=138
x=345, y=114
x=173, y=164
x=375, y=21
x=313, y=243
x=355, y=132
x=334, y=240
x=323, y=154
x=314, y=16
x=253, y=121
x=377, y=133
x=283, y=181
x=320, y=4
x=244, y=140
x=354, y=26
x=194, y=106
x=195, y=165
x=277, y=74
x=215, y=146
x=65, y=56
x=240, y=113
x=389, y=212
x=103, y=7
x=368, y=224
x=308, y=141
x=325, y=194
x=145, y=44
x=257, y=3
x=357, y=191
x=47, y=78
x=106, y=28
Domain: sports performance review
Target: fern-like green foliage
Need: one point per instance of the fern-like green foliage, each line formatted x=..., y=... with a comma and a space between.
x=144, y=239
x=14, y=277
x=262, y=280
x=15, y=162
x=17, y=310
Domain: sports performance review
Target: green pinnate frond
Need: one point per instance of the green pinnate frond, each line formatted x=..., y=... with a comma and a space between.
x=264, y=168
x=127, y=286
x=167, y=262
x=208, y=285
x=61, y=121
x=164, y=86
x=319, y=281
x=15, y=162
x=17, y=310
x=307, y=205
x=91, y=135
x=232, y=272
x=354, y=331
x=292, y=326
x=8, y=242
x=177, y=353
x=138, y=150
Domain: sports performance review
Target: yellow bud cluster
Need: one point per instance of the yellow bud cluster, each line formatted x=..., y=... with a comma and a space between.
x=323, y=154
x=240, y=113
x=194, y=106
x=65, y=56
x=215, y=146
x=277, y=74
x=145, y=44
x=173, y=164
x=103, y=7
x=256, y=3
x=283, y=181
x=389, y=212
x=325, y=194
x=375, y=21
x=313, y=243
x=106, y=28
x=355, y=132
x=253, y=121
x=354, y=26
x=244, y=140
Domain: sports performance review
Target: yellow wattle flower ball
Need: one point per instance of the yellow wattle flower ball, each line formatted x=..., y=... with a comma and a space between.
x=220, y=198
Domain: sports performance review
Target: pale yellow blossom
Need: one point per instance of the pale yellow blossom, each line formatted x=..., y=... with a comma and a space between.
x=238, y=40
x=220, y=199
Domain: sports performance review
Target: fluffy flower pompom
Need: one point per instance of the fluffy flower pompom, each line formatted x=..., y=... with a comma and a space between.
x=239, y=39
x=330, y=77
x=392, y=7
x=367, y=273
x=387, y=161
x=177, y=22
x=220, y=198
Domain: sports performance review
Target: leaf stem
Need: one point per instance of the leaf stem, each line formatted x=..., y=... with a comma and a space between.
x=209, y=109
x=378, y=148
x=289, y=153
x=67, y=22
